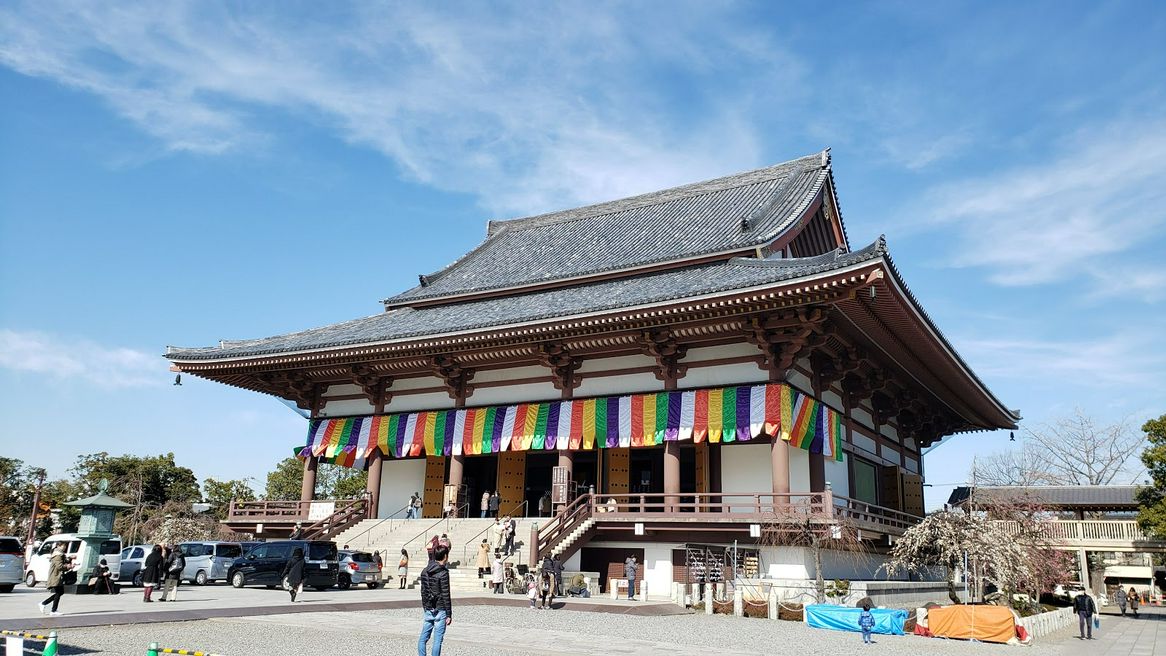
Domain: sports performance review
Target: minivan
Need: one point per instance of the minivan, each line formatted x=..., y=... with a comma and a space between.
x=38, y=565
x=209, y=561
x=263, y=564
x=11, y=563
x=132, y=559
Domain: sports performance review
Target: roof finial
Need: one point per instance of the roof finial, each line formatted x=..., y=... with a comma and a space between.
x=423, y=279
x=825, y=158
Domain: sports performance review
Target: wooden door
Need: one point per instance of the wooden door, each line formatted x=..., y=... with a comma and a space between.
x=891, y=494
x=511, y=481
x=434, y=486
x=913, y=494
x=618, y=470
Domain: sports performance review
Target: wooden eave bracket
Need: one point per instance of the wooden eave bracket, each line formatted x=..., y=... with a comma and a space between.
x=374, y=386
x=455, y=377
x=661, y=344
x=564, y=367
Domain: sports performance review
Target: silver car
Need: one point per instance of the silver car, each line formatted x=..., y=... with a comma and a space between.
x=132, y=559
x=358, y=567
x=11, y=563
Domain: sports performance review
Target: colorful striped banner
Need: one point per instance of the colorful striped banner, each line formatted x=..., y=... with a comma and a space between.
x=720, y=415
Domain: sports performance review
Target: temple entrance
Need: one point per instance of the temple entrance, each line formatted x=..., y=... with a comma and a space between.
x=647, y=471
x=538, y=482
x=480, y=474
x=585, y=474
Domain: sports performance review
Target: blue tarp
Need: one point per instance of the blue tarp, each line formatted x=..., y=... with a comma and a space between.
x=841, y=618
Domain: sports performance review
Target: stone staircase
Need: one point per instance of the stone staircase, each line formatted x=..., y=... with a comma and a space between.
x=573, y=537
x=390, y=536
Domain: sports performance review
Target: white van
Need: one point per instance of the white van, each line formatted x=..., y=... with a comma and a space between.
x=209, y=561
x=38, y=565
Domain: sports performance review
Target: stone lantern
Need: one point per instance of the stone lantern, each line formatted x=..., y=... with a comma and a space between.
x=96, y=526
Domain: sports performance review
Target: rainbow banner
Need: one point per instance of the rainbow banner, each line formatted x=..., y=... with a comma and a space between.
x=720, y=415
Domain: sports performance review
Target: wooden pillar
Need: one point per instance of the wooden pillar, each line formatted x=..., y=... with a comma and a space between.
x=779, y=463
x=817, y=472
x=308, y=486
x=374, y=483
x=567, y=459
x=457, y=465
x=671, y=476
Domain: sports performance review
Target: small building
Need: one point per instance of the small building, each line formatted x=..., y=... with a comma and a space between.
x=1098, y=522
x=693, y=360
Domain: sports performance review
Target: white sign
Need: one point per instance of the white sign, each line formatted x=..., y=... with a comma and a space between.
x=258, y=529
x=321, y=510
x=639, y=528
x=755, y=530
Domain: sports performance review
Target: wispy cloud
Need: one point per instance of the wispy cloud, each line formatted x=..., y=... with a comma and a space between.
x=1114, y=362
x=1079, y=214
x=527, y=107
x=68, y=358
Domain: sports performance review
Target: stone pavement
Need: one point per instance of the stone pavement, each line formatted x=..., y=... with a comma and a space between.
x=1124, y=636
x=18, y=609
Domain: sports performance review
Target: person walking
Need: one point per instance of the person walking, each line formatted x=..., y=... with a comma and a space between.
x=403, y=568
x=492, y=506
x=485, y=503
x=629, y=570
x=415, y=504
x=431, y=546
x=1121, y=600
x=496, y=535
x=175, y=563
x=435, y=602
x=1135, y=601
x=444, y=541
x=497, y=573
x=151, y=573
x=546, y=591
x=509, y=527
x=293, y=573
x=483, y=561
x=58, y=564
x=866, y=622
x=380, y=563
x=1085, y=608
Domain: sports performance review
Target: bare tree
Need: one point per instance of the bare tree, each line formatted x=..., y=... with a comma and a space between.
x=800, y=525
x=1072, y=450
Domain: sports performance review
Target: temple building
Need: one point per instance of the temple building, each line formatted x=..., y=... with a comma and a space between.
x=657, y=372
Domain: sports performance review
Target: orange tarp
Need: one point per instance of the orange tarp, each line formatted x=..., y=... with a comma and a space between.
x=986, y=623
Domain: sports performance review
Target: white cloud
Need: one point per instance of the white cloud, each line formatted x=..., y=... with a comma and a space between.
x=1081, y=213
x=73, y=359
x=1114, y=363
x=528, y=107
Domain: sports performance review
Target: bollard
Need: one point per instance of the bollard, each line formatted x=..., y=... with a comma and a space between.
x=152, y=650
x=13, y=645
x=738, y=602
x=643, y=591
x=708, y=599
x=51, y=645
x=773, y=607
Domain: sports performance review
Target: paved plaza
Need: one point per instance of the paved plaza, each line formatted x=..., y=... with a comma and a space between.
x=223, y=620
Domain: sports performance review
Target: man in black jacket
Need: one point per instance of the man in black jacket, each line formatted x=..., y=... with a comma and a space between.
x=435, y=601
x=1084, y=607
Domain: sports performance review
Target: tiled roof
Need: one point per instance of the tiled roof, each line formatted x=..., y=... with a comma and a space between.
x=673, y=224
x=668, y=285
x=1052, y=496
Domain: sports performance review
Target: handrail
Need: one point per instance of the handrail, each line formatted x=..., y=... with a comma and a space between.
x=369, y=530
x=427, y=529
x=337, y=521
x=566, y=520
x=474, y=538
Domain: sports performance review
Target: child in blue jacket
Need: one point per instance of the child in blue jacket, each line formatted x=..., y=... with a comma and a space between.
x=866, y=622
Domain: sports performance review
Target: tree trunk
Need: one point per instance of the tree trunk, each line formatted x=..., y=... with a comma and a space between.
x=951, y=586
x=819, y=583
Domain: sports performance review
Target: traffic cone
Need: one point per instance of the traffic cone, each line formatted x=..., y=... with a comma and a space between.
x=51, y=645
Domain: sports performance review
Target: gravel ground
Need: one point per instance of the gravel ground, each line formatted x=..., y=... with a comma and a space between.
x=489, y=630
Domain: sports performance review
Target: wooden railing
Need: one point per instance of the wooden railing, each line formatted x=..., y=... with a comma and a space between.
x=1085, y=531
x=332, y=525
x=287, y=511
x=718, y=507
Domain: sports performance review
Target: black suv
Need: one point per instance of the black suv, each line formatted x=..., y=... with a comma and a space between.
x=263, y=564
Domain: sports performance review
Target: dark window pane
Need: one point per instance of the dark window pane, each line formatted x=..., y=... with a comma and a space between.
x=228, y=550
x=322, y=551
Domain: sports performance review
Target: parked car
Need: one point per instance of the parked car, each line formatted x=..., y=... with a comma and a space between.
x=263, y=564
x=209, y=561
x=132, y=558
x=37, y=568
x=358, y=567
x=11, y=563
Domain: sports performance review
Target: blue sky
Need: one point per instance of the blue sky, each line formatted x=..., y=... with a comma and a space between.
x=177, y=173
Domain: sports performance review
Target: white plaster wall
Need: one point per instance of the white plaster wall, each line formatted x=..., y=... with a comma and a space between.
x=833, y=400
x=575, y=562
x=399, y=480
x=610, y=385
x=416, y=402
x=346, y=408
x=513, y=394
x=890, y=431
x=800, y=381
x=338, y=390
x=736, y=350
x=798, y=563
x=891, y=453
x=622, y=362
x=838, y=475
x=786, y=563
x=863, y=442
x=745, y=468
x=799, y=470
x=912, y=465
x=419, y=382
x=655, y=569
x=722, y=375
x=513, y=373
x=863, y=417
